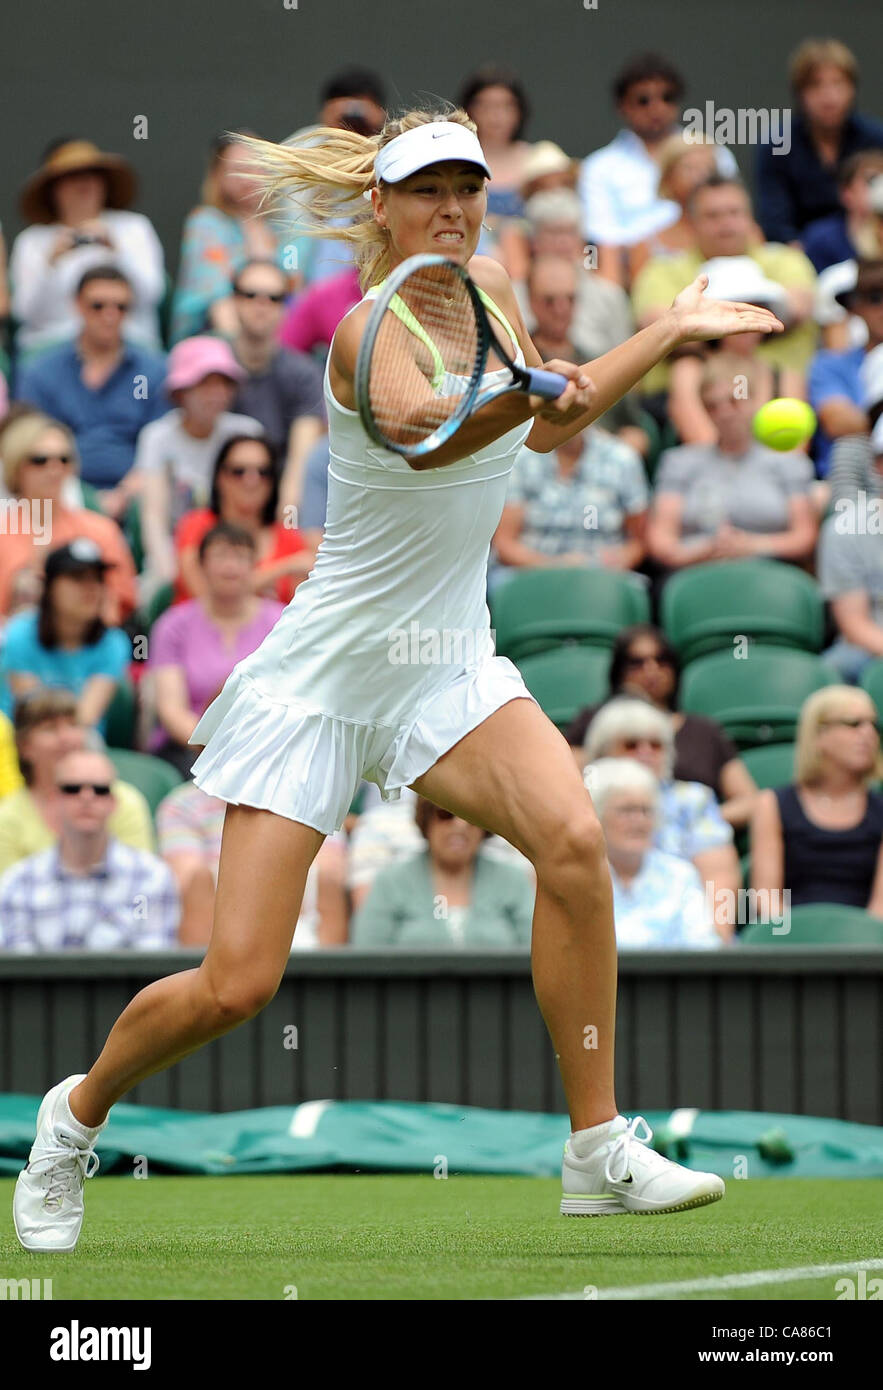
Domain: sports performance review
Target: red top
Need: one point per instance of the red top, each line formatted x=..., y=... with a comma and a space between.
x=284, y=540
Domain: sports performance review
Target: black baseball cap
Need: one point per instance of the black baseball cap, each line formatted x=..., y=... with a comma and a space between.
x=76, y=557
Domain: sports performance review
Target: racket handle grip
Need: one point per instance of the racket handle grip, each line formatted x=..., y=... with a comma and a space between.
x=549, y=385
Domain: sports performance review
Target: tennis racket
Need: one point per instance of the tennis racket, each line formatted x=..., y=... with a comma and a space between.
x=424, y=354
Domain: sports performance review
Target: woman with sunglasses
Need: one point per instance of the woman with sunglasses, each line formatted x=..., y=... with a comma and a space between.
x=821, y=838
x=644, y=663
x=39, y=463
x=245, y=492
x=448, y=894
x=227, y=229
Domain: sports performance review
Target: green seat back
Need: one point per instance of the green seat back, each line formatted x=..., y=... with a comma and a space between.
x=771, y=765
x=819, y=924
x=161, y=600
x=872, y=682
x=120, y=727
x=153, y=777
x=704, y=608
x=567, y=679
x=537, y=610
x=757, y=699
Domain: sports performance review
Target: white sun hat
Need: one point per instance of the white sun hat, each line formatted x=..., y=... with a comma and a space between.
x=740, y=278
x=427, y=144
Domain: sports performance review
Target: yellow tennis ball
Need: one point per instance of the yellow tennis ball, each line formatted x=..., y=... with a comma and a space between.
x=784, y=423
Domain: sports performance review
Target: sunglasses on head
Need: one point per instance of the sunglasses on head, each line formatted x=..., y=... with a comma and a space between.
x=40, y=459
x=120, y=305
x=239, y=470
x=74, y=788
x=261, y=294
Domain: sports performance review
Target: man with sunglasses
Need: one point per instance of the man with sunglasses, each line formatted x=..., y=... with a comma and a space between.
x=281, y=389
x=618, y=183
x=103, y=387
x=836, y=388
x=89, y=891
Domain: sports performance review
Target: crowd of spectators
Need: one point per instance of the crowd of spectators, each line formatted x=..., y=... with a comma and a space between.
x=172, y=436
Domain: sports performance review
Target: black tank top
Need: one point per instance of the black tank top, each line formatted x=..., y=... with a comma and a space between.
x=829, y=866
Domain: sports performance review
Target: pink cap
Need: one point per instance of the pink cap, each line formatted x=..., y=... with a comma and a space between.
x=193, y=359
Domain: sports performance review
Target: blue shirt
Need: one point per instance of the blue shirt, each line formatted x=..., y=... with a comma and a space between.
x=23, y=654
x=796, y=188
x=833, y=374
x=827, y=242
x=105, y=421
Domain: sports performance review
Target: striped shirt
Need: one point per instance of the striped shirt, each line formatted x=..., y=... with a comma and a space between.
x=126, y=902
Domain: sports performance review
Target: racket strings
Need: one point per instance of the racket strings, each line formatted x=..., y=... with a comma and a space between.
x=426, y=353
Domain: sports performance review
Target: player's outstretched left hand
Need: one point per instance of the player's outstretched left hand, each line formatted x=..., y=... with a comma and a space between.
x=698, y=319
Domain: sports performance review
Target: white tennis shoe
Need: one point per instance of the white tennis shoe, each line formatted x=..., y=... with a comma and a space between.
x=621, y=1175
x=48, y=1204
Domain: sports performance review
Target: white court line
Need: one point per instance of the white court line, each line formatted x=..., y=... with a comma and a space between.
x=751, y=1279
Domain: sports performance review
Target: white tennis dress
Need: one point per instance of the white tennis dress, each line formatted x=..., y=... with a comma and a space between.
x=383, y=659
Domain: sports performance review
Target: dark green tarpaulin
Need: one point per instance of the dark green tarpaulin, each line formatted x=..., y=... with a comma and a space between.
x=387, y=1136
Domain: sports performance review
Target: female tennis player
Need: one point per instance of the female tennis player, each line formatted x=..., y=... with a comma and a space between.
x=322, y=703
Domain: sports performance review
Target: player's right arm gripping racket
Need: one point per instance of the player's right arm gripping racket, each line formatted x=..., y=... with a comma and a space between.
x=423, y=355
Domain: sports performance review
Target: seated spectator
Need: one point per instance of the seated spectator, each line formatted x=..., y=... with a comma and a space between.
x=836, y=387
x=312, y=315
x=583, y=504
x=856, y=462
x=644, y=664
x=65, y=643
x=228, y=229
x=601, y=316
x=4, y=282
x=245, y=493
x=495, y=100
x=103, y=388
x=553, y=292
x=619, y=184
x=658, y=899
x=189, y=825
x=448, y=894
x=75, y=207
x=90, y=892
x=850, y=569
x=798, y=185
x=821, y=838
x=690, y=823
x=720, y=211
x=39, y=458
x=176, y=453
x=853, y=231
x=735, y=498
x=45, y=731
x=387, y=834
x=546, y=169
x=281, y=389
x=729, y=278
x=683, y=165
x=195, y=645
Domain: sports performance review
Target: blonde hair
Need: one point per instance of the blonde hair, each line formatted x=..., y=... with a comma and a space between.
x=816, y=709
x=335, y=168
x=815, y=53
x=20, y=437
x=674, y=149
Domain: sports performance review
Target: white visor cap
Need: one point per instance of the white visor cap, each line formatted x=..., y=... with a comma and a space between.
x=427, y=144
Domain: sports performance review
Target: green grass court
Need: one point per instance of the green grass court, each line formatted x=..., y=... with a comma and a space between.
x=416, y=1237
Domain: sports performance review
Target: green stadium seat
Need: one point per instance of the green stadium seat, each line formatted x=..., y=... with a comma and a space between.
x=161, y=600
x=567, y=679
x=91, y=500
x=120, y=727
x=537, y=610
x=153, y=777
x=756, y=699
x=819, y=924
x=704, y=608
x=771, y=765
x=872, y=682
